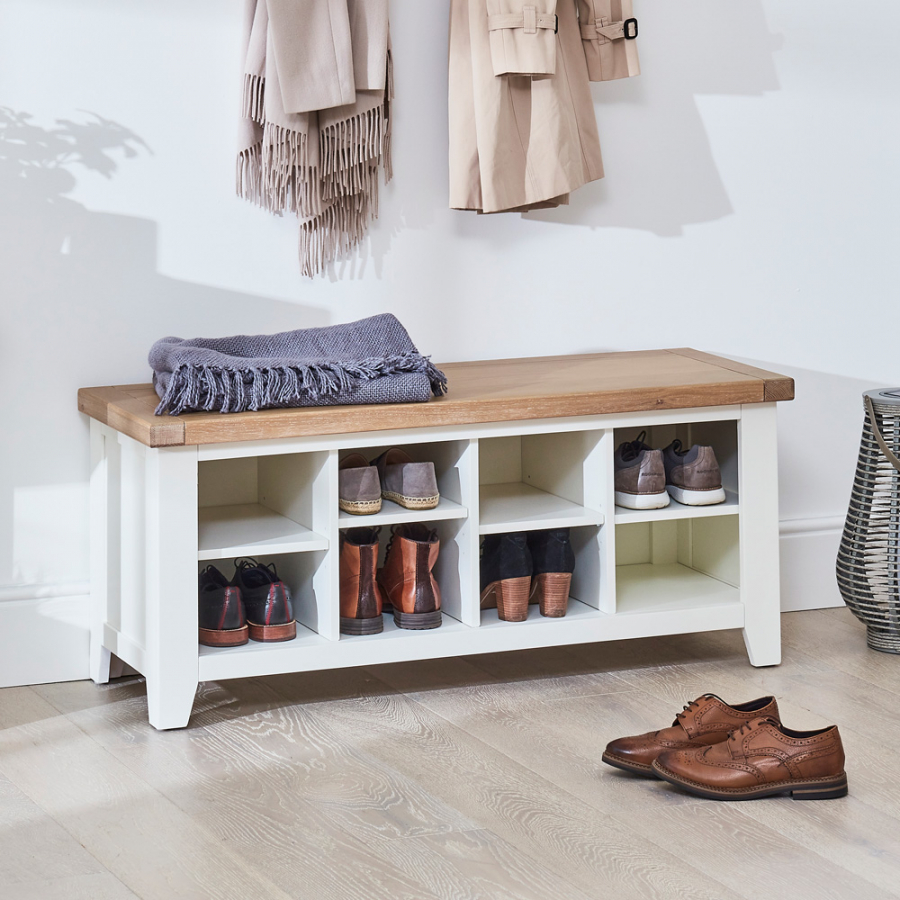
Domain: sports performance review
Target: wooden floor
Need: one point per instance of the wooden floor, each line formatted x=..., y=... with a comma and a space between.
x=467, y=778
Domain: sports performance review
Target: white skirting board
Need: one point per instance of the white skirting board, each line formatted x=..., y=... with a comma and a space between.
x=808, y=550
x=45, y=629
x=45, y=634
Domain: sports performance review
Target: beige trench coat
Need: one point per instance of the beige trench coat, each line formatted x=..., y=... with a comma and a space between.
x=522, y=128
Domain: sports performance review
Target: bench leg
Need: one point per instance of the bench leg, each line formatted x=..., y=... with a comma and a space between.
x=172, y=651
x=104, y=511
x=760, y=574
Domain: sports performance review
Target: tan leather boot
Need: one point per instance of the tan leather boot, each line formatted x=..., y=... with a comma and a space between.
x=407, y=577
x=361, y=597
x=760, y=759
x=704, y=721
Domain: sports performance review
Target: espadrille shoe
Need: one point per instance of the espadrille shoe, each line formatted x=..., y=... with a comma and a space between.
x=412, y=485
x=359, y=488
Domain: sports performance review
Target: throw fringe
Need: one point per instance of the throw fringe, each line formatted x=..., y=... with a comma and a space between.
x=234, y=389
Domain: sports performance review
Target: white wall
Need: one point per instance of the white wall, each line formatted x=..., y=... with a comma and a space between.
x=750, y=209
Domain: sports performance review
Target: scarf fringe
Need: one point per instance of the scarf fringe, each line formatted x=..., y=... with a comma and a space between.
x=387, y=160
x=232, y=389
x=347, y=144
x=250, y=181
x=288, y=178
x=336, y=231
x=253, y=100
x=338, y=198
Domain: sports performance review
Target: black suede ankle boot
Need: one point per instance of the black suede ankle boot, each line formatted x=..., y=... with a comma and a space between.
x=554, y=563
x=506, y=575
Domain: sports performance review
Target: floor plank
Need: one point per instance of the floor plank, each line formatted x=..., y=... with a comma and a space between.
x=547, y=824
x=139, y=836
x=476, y=777
x=101, y=886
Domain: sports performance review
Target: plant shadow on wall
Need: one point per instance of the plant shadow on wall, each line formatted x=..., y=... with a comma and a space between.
x=83, y=302
x=660, y=170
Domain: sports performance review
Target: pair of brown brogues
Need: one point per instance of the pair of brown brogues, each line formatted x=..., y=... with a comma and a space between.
x=738, y=752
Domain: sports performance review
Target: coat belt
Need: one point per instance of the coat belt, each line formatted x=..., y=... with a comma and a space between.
x=598, y=29
x=530, y=20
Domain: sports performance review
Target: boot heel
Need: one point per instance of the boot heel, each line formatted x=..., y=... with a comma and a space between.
x=551, y=590
x=370, y=625
x=417, y=621
x=822, y=792
x=512, y=598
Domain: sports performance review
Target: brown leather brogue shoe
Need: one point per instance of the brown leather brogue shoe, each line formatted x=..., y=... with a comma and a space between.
x=704, y=721
x=407, y=578
x=760, y=759
x=360, y=594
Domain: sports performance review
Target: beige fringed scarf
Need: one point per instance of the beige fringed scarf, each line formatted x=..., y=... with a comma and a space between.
x=316, y=118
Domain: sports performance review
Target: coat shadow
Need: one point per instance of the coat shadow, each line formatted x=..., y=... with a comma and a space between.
x=660, y=171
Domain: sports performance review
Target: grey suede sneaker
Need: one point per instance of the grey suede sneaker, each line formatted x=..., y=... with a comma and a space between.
x=410, y=484
x=359, y=488
x=693, y=476
x=640, y=476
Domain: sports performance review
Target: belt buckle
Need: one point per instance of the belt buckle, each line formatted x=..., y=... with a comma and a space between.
x=556, y=26
x=630, y=35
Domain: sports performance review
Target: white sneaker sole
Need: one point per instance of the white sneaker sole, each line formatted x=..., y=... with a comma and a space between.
x=696, y=498
x=642, y=501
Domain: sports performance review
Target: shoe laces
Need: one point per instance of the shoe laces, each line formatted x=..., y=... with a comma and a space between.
x=242, y=564
x=390, y=543
x=631, y=449
x=749, y=726
x=688, y=708
x=740, y=731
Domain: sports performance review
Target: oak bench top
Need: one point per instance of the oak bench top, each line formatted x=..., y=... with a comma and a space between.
x=499, y=390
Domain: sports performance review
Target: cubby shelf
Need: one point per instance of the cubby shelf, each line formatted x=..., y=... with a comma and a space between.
x=665, y=588
x=310, y=651
x=676, y=510
x=250, y=529
x=582, y=624
x=393, y=514
x=519, y=507
x=575, y=611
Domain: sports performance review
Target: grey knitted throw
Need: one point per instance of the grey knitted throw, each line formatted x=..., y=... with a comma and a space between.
x=370, y=361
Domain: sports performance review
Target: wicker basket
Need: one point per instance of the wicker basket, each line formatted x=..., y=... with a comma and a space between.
x=867, y=562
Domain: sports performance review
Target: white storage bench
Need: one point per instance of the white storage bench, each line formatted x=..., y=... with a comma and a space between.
x=517, y=444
